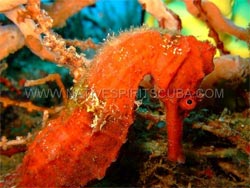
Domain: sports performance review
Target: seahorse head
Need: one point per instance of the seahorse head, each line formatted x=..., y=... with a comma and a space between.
x=178, y=73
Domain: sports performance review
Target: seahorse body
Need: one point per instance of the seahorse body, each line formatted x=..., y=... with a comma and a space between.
x=80, y=144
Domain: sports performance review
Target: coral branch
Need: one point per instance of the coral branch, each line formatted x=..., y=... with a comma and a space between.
x=11, y=40
x=9, y=85
x=28, y=105
x=6, y=5
x=83, y=45
x=66, y=56
x=212, y=152
x=166, y=18
x=33, y=22
x=3, y=66
x=26, y=31
x=212, y=15
x=10, y=147
x=230, y=168
x=32, y=38
x=203, y=15
x=155, y=118
x=221, y=130
x=49, y=78
x=61, y=10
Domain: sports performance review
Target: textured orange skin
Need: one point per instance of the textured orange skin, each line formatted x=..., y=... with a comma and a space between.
x=70, y=153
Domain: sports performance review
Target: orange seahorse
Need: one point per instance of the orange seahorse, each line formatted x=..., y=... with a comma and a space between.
x=81, y=143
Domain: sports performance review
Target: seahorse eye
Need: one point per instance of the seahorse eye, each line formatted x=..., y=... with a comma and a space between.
x=187, y=103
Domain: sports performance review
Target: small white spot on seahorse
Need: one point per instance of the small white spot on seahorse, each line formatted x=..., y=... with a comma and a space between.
x=138, y=104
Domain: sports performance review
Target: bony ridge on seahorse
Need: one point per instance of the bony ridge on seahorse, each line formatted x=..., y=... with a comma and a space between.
x=80, y=144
